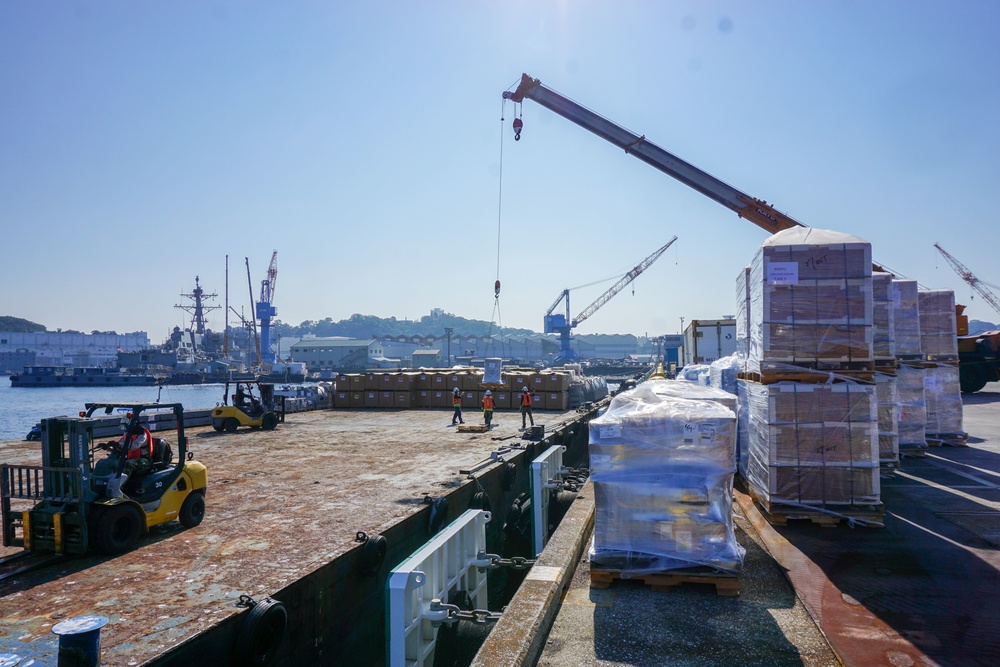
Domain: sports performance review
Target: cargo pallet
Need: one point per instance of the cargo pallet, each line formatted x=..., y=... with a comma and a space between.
x=948, y=439
x=809, y=375
x=918, y=452
x=473, y=428
x=778, y=514
x=726, y=584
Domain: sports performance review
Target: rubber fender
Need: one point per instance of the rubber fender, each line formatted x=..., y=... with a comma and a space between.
x=481, y=501
x=559, y=504
x=509, y=476
x=261, y=634
x=372, y=555
x=439, y=512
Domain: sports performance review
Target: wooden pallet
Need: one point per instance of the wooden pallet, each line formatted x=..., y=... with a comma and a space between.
x=778, y=514
x=472, y=428
x=809, y=376
x=726, y=584
x=916, y=453
x=948, y=439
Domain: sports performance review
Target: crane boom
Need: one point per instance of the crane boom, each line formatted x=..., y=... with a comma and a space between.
x=621, y=284
x=968, y=276
x=755, y=210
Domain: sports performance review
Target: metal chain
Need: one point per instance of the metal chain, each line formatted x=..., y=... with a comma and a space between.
x=453, y=613
x=495, y=562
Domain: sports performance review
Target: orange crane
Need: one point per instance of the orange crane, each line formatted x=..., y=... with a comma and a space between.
x=968, y=276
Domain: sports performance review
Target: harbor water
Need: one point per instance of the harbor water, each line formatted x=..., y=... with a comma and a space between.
x=21, y=408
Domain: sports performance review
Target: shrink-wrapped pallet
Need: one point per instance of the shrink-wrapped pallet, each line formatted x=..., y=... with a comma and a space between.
x=810, y=302
x=812, y=444
x=943, y=396
x=883, y=338
x=662, y=468
x=912, y=409
x=888, y=419
x=722, y=373
x=906, y=318
x=938, y=335
x=743, y=314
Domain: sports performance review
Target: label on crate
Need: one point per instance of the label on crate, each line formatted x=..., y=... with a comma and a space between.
x=782, y=273
x=607, y=431
x=698, y=434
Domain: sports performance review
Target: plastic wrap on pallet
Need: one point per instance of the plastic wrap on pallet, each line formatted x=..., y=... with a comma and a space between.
x=583, y=389
x=695, y=373
x=742, y=428
x=810, y=301
x=912, y=408
x=812, y=444
x=906, y=318
x=691, y=391
x=663, y=471
x=492, y=371
x=743, y=313
x=888, y=419
x=883, y=337
x=938, y=338
x=943, y=395
x=722, y=373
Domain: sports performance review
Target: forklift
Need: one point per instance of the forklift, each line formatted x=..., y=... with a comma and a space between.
x=98, y=495
x=260, y=410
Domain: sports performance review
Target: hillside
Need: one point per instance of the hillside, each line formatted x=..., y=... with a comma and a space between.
x=18, y=325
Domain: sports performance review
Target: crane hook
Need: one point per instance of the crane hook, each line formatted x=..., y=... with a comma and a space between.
x=518, y=126
x=496, y=289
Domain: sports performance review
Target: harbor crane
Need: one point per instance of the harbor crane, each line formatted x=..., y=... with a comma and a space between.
x=562, y=325
x=968, y=276
x=265, y=311
x=757, y=211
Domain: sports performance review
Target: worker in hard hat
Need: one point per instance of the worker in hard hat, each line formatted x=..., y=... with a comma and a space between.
x=488, y=407
x=526, y=401
x=137, y=449
x=456, y=402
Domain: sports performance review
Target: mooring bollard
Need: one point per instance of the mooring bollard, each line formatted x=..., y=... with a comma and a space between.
x=80, y=641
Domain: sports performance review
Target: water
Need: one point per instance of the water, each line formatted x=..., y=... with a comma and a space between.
x=22, y=407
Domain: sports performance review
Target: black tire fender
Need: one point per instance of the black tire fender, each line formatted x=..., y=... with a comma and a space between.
x=261, y=634
x=372, y=554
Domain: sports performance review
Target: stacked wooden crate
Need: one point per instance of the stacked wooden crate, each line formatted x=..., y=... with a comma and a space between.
x=884, y=355
x=809, y=409
x=942, y=387
x=433, y=388
x=912, y=414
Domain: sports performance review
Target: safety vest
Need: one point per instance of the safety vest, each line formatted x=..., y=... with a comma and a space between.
x=456, y=400
x=526, y=399
x=487, y=402
x=139, y=445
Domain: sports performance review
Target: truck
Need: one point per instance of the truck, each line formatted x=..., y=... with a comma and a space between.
x=706, y=341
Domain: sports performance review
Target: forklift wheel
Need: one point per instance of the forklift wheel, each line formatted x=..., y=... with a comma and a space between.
x=192, y=510
x=118, y=529
x=268, y=421
x=231, y=425
x=218, y=427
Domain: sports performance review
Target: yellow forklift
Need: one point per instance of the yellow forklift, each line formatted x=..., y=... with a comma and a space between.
x=256, y=410
x=89, y=494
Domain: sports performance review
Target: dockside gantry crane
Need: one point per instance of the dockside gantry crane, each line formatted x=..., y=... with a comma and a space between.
x=562, y=325
x=265, y=311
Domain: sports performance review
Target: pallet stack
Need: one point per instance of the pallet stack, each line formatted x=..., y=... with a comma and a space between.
x=909, y=372
x=663, y=471
x=942, y=388
x=433, y=389
x=809, y=409
x=886, y=384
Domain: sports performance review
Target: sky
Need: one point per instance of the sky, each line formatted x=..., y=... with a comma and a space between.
x=367, y=143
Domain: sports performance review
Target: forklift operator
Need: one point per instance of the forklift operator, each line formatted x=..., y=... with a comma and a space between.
x=138, y=452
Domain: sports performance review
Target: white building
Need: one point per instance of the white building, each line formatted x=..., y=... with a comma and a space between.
x=68, y=349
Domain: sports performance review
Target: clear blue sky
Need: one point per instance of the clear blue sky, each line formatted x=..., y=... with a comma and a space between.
x=142, y=142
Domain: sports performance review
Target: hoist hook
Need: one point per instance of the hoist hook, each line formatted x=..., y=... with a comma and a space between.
x=518, y=126
x=496, y=289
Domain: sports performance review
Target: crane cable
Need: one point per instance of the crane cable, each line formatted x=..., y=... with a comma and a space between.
x=496, y=316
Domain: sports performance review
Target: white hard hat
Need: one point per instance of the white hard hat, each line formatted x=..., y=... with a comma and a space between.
x=488, y=392
x=455, y=390
x=524, y=389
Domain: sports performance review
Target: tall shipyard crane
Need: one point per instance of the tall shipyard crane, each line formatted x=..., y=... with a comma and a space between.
x=562, y=325
x=968, y=276
x=265, y=311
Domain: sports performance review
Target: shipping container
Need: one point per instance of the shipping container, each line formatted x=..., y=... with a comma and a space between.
x=708, y=340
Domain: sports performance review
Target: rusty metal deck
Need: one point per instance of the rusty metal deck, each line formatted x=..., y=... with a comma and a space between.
x=280, y=505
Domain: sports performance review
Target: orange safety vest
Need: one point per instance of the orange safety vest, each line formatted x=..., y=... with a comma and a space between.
x=146, y=448
x=487, y=402
x=456, y=400
x=526, y=398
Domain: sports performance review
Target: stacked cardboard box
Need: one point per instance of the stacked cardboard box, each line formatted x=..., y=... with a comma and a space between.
x=810, y=302
x=888, y=419
x=812, y=444
x=938, y=335
x=906, y=319
x=663, y=472
x=883, y=337
x=943, y=396
x=912, y=409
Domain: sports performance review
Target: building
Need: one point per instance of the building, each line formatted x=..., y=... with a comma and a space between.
x=427, y=359
x=337, y=354
x=67, y=349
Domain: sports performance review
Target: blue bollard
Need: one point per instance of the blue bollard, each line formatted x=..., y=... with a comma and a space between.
x=80, y=641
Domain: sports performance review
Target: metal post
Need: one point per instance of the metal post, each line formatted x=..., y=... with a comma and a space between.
x=447, y=331
x=80, y=641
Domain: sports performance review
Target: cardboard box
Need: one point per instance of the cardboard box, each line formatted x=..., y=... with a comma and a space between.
x=439, y=382
x=386, y=381
x=518, y=380
x=452, y=380
x=556, y=381
x=422, y=398
x=357, y=399
x=536, y=383
x=341, y=399
x=405, y=381
x=556, y=400
x=472, y=382
x=423, y=382
x=441, y=399
x=404, y=399
x=371, y=382
x=472, y=400
x=371, y=399
x=502, y=400
x=386, y=399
